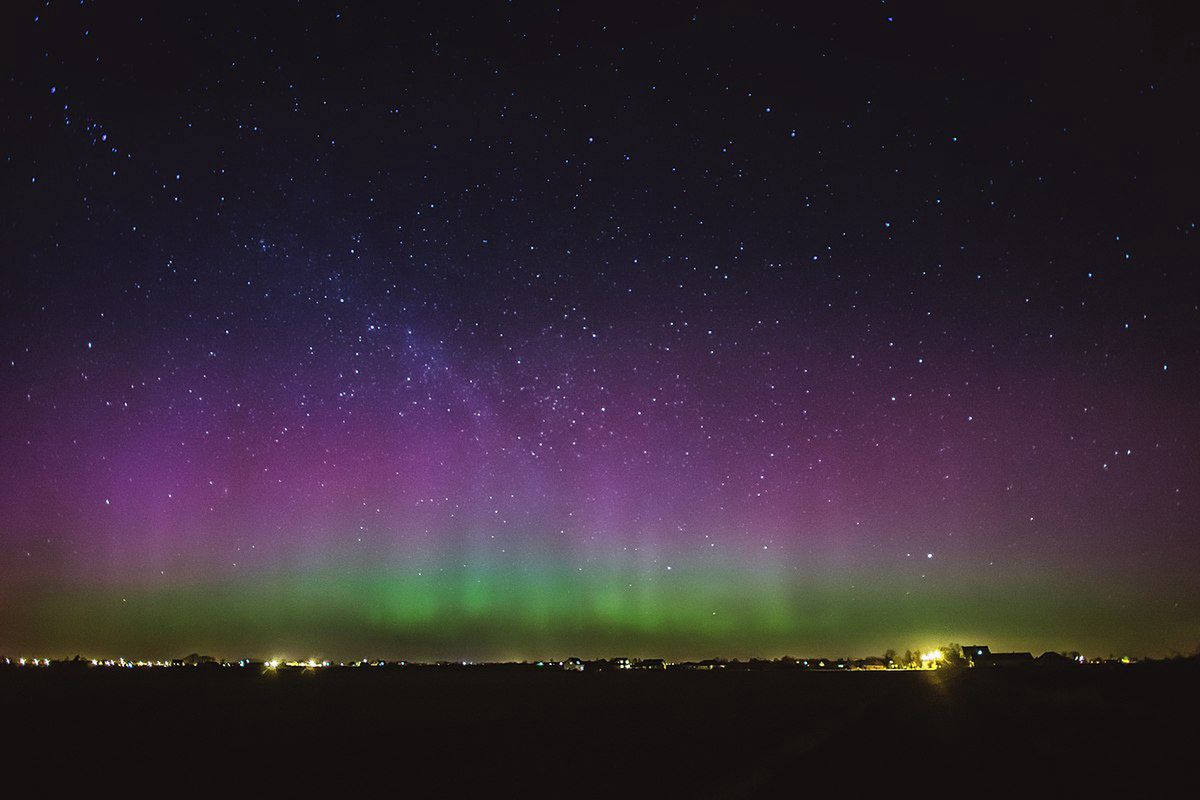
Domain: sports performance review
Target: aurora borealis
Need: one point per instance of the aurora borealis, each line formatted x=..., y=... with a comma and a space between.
x=526, y=332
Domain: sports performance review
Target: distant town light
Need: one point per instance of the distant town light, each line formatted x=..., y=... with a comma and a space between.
x=932, y=657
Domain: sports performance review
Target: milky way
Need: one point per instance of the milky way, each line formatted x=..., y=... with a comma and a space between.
x=681, y=332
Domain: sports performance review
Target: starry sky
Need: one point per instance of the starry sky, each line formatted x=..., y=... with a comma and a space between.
x=523, y=331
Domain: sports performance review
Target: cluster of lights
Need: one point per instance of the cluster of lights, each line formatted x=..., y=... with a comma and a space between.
x=932, y=658
x=311, y=663
x=126, y=663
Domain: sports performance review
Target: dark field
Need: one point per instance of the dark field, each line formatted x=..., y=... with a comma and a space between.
x=500, y=731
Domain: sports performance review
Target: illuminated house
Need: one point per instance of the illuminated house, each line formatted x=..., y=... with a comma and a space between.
x=972, y=652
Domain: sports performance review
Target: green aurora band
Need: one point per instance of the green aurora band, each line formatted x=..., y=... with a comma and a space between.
x=553, y=611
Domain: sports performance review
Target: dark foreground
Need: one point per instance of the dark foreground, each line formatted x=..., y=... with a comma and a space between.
x=718, y=734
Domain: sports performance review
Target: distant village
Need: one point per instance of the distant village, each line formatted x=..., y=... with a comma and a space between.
x=951, y=656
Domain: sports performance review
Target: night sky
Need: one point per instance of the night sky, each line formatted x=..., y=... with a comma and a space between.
x=515, y=331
